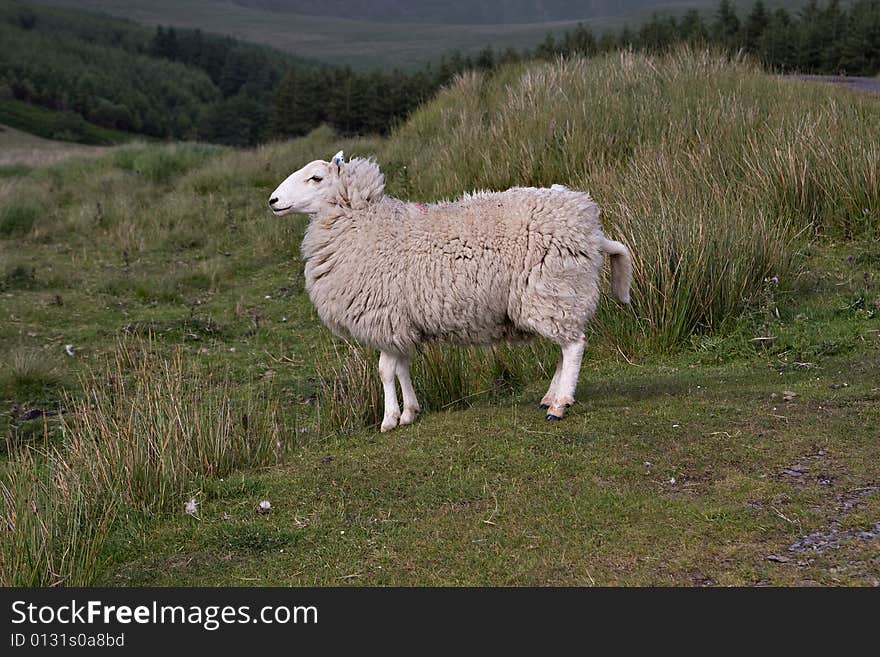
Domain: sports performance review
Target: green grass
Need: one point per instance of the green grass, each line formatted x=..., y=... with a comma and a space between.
x=200, y=370
x=60, y=126
x=21, y=152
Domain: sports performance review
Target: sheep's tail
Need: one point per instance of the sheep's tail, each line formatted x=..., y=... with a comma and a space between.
x=621, y=268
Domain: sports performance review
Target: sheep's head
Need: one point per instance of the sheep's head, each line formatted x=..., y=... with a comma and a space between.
x=320, y=184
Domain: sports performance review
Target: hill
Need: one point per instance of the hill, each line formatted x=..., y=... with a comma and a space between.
x=725, y=431
x=58, y=125
x=21, y=151
x=87, y=77
x=457, y=12
x=390, y=34
x=119, y=75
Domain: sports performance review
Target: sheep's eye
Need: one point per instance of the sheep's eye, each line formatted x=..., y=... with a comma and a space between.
x=316, y=178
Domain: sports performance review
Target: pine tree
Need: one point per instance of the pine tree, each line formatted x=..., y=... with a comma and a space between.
x=548, y=48
x=777, y=44
x=725, y=30
x=755, y=25
x=692, y=29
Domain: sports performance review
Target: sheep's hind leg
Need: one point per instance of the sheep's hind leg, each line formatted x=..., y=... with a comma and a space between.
x=572, y=355
x=411, y=406
x=388, y=370
x=547, y=401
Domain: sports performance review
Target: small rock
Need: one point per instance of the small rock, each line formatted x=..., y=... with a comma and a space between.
x=264, y=507
x=788, y=395
x=70, y=350
x=777, y=558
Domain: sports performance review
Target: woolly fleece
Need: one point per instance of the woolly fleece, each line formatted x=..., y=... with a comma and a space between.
x=487, y=267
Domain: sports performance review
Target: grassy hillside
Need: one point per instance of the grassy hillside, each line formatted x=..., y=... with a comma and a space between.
x=65, y=71
x=124, y=77
x=369, y=38
x=57, y=126
x=21, y=151
x=725, y=429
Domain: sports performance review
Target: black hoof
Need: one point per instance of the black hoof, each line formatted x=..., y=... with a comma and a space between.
x=545, y=406
x=551, y=418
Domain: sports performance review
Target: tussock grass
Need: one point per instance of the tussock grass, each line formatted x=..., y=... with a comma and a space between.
x=350, y=392
x=445, y=377
x=53, y=532
x=150, y=428
x=28, y=373
x=18, y=217
x=141, y=439
x=163, y=164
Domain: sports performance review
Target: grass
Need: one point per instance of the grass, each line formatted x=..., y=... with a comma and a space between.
x=686, y=460
x=21, y=152
x=54, y=532
x=155, y=427
x=61, y=126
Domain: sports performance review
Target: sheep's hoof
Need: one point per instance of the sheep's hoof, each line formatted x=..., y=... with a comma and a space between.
x=557, y=410
x=545, y=406
x=409, y=416
x=389, y=423
x=553, y=418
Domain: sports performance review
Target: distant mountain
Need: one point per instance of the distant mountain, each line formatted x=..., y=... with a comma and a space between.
x=460, y=12
x=398, y=34
x=389, y=34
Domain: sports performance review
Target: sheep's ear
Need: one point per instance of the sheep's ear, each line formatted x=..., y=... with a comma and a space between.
x=338, y=159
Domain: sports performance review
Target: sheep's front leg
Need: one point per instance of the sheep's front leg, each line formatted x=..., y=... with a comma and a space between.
x=572, y=355
x=549, y=398
x=410, y=404
x=387, y=370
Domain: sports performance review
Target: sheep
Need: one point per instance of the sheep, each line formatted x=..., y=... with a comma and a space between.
x=487, y=267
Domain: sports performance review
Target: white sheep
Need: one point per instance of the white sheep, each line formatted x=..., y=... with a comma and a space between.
x=487, y=267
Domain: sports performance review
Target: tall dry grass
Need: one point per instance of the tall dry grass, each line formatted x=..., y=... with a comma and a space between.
x=445, y=376
x=53, y=532
x=151, y=428
x=141, y=439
